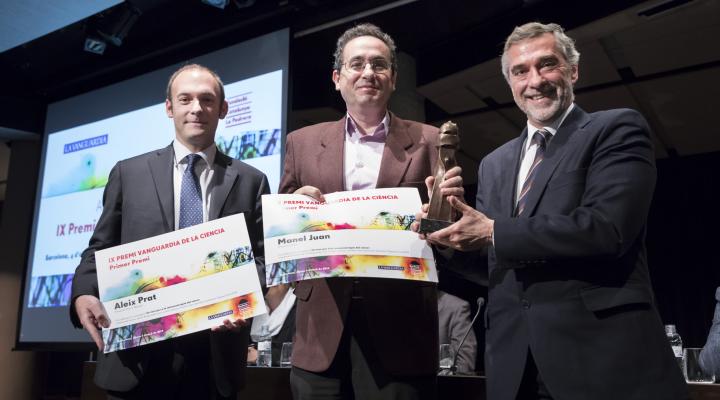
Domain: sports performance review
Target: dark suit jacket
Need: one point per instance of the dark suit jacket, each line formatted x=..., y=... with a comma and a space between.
x=454, y=322
x=138, y=203
x=401, y=315
x=569, y=278
x=710, y=353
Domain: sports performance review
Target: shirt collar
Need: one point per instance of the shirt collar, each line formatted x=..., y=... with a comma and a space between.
x=207, y=154
x=552, y=127
x=379, y=135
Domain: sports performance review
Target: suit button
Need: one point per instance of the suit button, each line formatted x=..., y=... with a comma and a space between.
x=525, y=303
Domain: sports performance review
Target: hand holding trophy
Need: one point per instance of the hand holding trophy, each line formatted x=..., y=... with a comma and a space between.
x=440, y=213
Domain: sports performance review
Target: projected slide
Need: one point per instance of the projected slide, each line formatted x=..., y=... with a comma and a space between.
x=85, y=135
x=78, y=162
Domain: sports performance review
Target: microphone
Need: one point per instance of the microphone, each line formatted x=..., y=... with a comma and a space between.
x=480, y=303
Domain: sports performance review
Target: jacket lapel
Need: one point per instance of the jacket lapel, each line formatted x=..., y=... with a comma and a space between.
x=395, y=158
x=224, y=178
x=161, y=170
x=512, y=157
x=556, y=150
x=330, y=159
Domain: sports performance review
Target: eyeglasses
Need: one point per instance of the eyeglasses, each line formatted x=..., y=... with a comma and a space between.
x=378, y=65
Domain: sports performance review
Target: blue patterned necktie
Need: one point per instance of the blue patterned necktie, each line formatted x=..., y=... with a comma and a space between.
x=191, y=207
x=540, y=138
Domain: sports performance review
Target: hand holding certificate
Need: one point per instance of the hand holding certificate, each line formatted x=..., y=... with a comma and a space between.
x=352, y=234
x=178, y=283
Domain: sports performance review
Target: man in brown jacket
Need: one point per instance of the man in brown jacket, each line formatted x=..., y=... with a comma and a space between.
x=364, y=338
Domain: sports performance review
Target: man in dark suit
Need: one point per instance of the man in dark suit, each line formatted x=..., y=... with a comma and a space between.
x=142, y=199
x=562, y=212
x=455, y=319
x=710, y=354
x=367, y=338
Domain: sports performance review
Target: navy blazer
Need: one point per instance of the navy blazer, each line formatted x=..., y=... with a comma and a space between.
x=138, y=203
x=568, y=280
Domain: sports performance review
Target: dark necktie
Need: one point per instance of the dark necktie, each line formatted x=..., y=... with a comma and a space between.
x=540, y=138
x=191, y=207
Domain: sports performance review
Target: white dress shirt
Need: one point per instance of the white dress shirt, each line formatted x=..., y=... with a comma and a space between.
x=529, y=149
x=203, y=170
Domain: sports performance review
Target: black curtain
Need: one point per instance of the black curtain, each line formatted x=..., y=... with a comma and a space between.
x=683, y=243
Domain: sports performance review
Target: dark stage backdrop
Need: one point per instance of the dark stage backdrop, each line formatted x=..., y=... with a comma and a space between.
x=683, y=243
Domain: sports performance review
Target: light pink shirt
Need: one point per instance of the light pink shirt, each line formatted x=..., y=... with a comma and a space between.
x=363, y=154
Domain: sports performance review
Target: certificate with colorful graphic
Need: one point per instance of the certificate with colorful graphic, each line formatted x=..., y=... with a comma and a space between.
x=362, y=233
x=178, y=283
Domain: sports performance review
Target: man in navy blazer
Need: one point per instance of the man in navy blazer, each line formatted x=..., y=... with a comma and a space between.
x=141, y=200
x=561, y=211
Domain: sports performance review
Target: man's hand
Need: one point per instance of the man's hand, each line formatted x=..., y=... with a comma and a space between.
x=451, y=186
x=415, y=226
x=92, y=316
x=252, y=355
x=275, y=295
x=473, y=231
x=230, y=326
x=311, y=191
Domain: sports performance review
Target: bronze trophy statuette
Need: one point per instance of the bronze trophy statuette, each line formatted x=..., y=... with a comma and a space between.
x=440, y=213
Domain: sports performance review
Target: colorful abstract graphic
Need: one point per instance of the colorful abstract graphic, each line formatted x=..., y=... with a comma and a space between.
x=50, y=291
x=79, y=178
x=339, y=266
x=214, y=262
x=302, y=223
x=250, y=144
x=179, y=324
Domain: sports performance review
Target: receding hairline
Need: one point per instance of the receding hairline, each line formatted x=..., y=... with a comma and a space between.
x=195, y=67
x=385, y=46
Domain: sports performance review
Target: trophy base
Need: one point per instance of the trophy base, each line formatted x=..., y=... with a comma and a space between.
x=432, y=225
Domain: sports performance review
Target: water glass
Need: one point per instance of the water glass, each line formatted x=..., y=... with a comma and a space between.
x=691, y=367
x=286, y=355
x=446, y=357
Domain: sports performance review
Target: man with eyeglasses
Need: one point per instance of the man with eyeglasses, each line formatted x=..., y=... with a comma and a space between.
x=364, y=338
